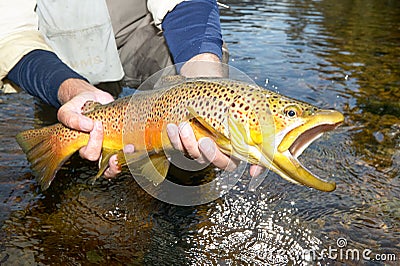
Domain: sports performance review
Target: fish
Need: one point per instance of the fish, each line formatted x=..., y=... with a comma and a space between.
x=246, y=121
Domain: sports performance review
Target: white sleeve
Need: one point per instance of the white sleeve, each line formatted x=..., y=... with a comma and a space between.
x=19, y=33
x=160, y=8
x=17, y=16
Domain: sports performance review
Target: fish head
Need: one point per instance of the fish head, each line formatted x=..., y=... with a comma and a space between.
x=273, y=131
x=297, y=125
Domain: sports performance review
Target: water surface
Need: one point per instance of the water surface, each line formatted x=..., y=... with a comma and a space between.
x=334, y=54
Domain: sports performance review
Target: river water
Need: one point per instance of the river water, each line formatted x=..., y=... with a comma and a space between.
x=343, y=55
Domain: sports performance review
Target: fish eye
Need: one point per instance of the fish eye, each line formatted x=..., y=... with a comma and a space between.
x=292, y=111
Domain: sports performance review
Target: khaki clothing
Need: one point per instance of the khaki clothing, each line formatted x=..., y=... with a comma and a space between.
x=140, y=45
x=129, y=49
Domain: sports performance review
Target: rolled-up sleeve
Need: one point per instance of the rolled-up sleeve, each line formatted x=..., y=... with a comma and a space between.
x=160, y=8
x=192, y=28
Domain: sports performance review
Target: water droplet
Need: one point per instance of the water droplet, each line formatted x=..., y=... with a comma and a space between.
x=379, y=136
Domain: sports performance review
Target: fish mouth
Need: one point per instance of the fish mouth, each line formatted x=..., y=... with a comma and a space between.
x=296, y=141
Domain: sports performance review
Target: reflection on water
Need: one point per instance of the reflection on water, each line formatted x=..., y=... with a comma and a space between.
x=333, y=54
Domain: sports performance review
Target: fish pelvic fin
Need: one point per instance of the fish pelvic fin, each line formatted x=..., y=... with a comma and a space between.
x=104, y=162
x=46, y=151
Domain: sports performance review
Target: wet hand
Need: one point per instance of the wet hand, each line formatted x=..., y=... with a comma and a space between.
x=73, y=94
x=204, y=150
x=183, y=139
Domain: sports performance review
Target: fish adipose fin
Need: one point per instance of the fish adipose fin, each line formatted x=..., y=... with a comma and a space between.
x=90, y=106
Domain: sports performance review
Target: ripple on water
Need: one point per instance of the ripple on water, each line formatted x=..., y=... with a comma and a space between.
x=334, y=54
x=255, y=228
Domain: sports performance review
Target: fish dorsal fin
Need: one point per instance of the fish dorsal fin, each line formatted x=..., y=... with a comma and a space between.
x=217, y=136
x=172, y=80
x=89, y=106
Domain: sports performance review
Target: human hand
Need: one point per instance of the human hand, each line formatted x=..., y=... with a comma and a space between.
x=204, y=150
x=183, y=139
x=73, y=94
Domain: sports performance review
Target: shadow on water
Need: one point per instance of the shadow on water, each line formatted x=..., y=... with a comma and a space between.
x=334, y=54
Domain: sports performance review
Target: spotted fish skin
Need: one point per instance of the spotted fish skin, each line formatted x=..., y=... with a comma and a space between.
x=245, y=120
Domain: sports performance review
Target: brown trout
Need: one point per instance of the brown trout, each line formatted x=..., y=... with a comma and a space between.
x=246, y=121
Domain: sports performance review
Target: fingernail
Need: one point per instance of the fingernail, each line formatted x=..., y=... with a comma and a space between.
x=206, y=145
x=129, y=148
x=184, y=129
x=257, y=170
x=172, y=130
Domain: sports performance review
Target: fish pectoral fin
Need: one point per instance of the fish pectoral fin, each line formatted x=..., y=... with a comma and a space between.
x=239, y=136
x=103, y=162
x=89, y=106
x=208, y=130
x=250, y=131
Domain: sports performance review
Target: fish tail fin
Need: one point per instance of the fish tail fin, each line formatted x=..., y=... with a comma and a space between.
x=46, y=150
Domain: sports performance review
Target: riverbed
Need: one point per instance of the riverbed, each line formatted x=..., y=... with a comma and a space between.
x=342, y=55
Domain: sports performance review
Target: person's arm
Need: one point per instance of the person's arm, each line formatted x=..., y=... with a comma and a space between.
x=42, y=74
x=21, y=42
x=192, y=31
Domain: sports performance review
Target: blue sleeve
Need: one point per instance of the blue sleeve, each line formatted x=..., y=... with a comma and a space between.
x=192, y=28
x=41, y=73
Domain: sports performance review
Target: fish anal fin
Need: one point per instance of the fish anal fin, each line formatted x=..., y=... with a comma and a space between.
x=156, y=169
x=153, y=166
